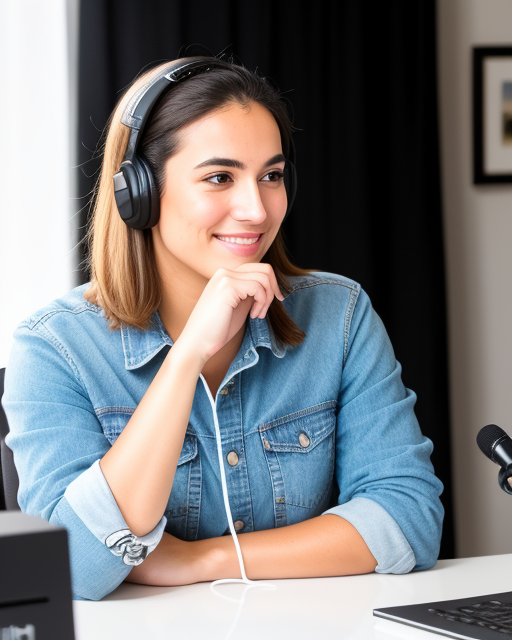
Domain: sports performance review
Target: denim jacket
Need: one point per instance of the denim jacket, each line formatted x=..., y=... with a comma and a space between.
x=323, y=427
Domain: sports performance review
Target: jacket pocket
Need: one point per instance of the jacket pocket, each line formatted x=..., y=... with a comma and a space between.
x=300, y=452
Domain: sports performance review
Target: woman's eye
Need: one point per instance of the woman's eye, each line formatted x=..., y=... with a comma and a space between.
x=277, y=175
x=221, y=177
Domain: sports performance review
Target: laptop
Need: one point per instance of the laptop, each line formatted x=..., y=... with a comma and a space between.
x=486, y=617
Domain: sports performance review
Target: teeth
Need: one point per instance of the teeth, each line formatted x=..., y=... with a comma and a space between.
x=239, y=240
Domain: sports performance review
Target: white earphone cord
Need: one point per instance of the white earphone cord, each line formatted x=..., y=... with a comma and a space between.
x=244, y=578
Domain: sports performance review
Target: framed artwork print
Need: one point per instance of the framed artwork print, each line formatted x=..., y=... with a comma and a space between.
x=492, y=114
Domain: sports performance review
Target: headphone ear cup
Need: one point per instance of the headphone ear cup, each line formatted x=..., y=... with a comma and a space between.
x=290, y=184
x=126, y=190
x=136, y=194
x=150, y=200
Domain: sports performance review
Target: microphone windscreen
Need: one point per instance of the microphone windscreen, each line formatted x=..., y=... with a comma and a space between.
x=487, y=437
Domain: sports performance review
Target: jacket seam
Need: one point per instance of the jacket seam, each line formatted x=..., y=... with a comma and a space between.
x=354, y=295
x=349, y=313
x=307, y=285
x=48, y=314
x=50, y=338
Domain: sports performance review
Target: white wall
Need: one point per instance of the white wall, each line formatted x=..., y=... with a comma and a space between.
x=36, y=211
x=478, y=241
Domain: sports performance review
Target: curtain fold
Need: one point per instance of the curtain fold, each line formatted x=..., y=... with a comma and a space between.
x=361, y=78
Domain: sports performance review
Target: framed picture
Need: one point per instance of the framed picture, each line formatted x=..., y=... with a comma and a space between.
x=492, y=114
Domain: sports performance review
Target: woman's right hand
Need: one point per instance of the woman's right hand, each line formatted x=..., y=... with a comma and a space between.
x=224, y=304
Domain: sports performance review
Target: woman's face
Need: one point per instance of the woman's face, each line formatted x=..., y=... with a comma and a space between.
x=226, y=180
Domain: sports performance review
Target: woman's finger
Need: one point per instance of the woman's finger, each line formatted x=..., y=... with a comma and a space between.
x=263, y=267
x=244, y=288
x=264, y=278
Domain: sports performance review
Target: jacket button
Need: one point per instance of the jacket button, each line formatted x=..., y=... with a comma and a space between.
x=232, y=458
x=304, y=440
x=224, y=392
x=239, y=524
x=266, y=444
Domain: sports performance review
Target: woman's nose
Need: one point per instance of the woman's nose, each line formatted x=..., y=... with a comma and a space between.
x=248, y=204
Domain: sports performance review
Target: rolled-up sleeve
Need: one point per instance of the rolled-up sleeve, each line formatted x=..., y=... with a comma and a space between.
x=57, y=443
x=388, y=489
x=382, y=535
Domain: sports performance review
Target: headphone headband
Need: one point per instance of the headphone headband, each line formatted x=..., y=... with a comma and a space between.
x=136, y=113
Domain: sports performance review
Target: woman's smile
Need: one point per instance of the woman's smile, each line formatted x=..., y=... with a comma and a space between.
x=241, y=246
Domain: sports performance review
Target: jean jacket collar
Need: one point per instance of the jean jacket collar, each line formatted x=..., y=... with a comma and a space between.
x=141, y=346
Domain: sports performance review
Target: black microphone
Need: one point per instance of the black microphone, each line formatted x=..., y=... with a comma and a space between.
x=497, y=446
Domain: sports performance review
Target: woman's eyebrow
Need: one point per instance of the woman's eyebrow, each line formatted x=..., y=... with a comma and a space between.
x=236, y=164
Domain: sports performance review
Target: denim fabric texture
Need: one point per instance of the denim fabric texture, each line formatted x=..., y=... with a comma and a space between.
x=324, y=427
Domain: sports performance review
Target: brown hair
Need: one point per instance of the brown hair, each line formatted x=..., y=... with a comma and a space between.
x=121, y=260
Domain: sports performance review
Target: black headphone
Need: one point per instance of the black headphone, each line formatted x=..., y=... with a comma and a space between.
x=135, y=188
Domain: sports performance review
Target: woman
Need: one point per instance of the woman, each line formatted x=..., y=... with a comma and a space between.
x=197, y=340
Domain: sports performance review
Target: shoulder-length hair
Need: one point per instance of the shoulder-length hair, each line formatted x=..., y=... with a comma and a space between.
x=124, y=279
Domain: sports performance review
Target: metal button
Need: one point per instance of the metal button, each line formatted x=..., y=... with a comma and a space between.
x=232, y=458
x=224, y=392
x=304, y=440
x=266, y=444
x=239, y=524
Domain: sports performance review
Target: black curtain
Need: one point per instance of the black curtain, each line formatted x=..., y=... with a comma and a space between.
x=365, y=100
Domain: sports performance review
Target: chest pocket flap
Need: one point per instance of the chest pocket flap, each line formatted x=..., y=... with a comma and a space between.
x=189, y=450
x=302, y=431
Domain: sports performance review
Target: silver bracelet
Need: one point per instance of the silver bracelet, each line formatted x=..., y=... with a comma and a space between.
x=124, y=543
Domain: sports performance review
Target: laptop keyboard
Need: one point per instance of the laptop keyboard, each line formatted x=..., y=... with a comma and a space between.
x=490, y=614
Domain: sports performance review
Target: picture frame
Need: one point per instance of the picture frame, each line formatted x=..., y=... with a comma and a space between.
x=492, y=115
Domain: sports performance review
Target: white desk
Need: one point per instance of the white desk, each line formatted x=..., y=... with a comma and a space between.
x=299, y=609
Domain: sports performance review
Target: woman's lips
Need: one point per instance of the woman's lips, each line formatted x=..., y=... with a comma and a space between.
x=241, y=249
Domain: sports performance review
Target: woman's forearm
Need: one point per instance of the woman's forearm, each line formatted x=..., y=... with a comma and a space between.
x=323, y=546
x=140, y=465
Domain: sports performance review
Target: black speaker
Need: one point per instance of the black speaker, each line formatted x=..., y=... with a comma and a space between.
x=35, y=579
